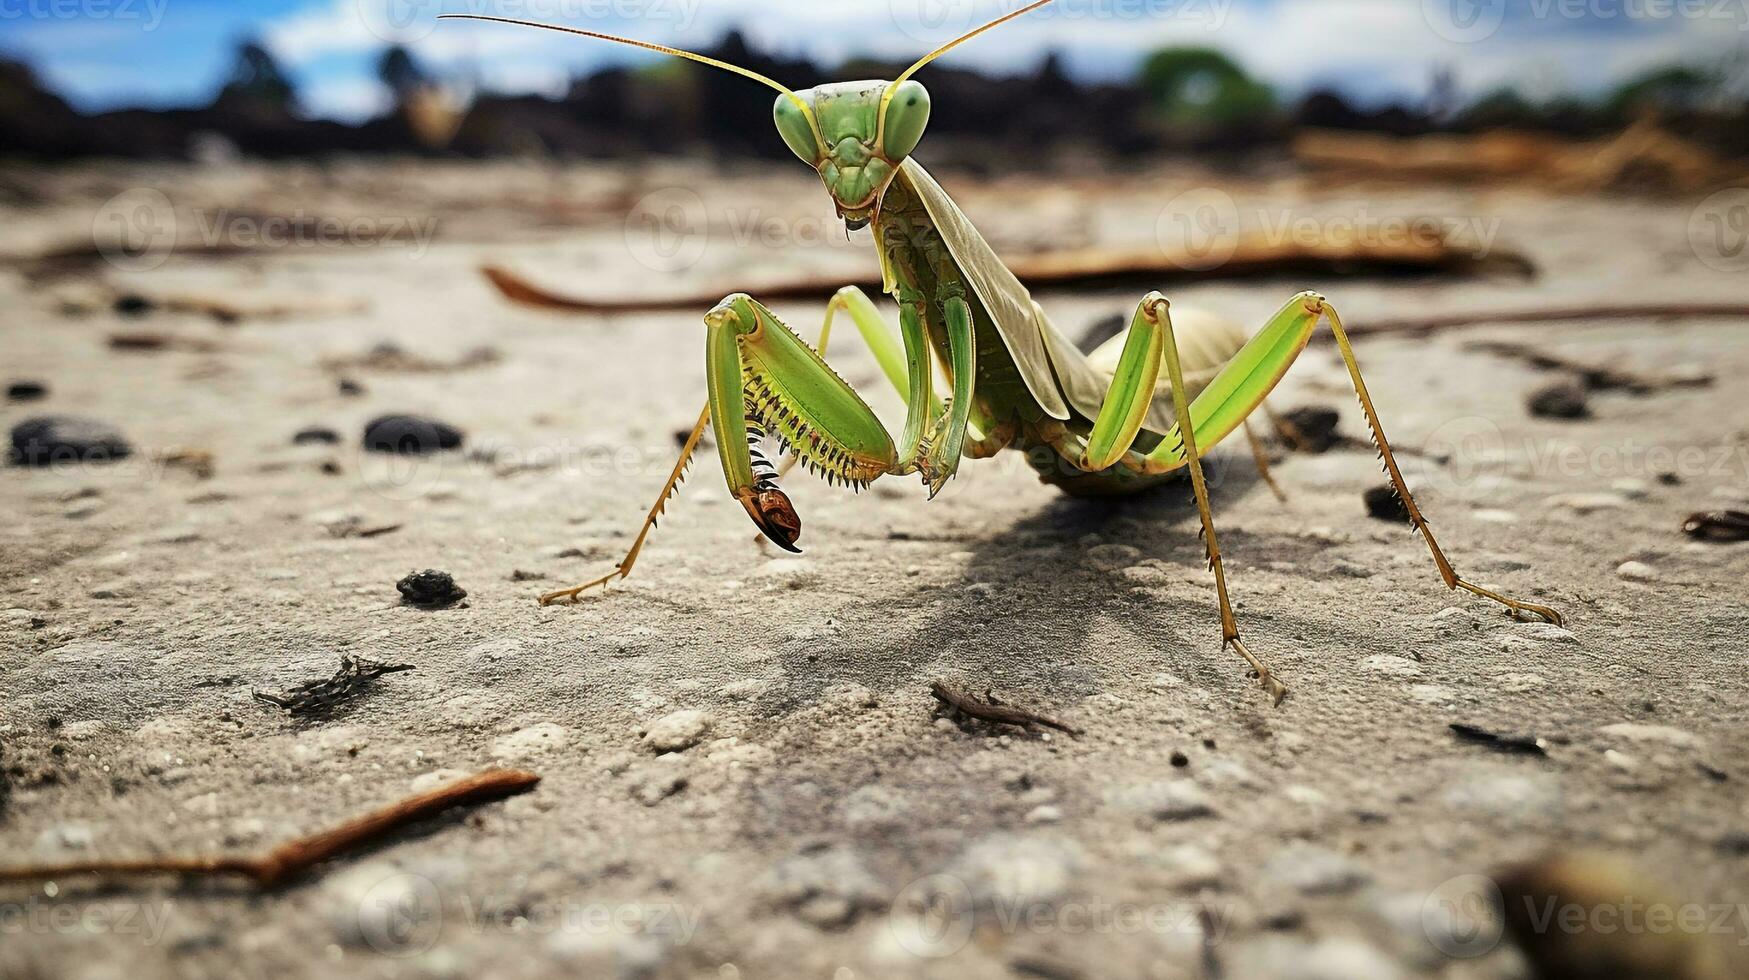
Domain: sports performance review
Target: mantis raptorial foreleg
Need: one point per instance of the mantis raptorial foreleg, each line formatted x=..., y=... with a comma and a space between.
x=908, y=368
x=947, y=437
x=756, y=366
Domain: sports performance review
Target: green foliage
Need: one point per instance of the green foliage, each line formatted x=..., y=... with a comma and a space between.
x=1669, y=87
x=1201, y=86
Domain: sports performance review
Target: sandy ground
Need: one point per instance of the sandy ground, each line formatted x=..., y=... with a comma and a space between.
x=827, y=823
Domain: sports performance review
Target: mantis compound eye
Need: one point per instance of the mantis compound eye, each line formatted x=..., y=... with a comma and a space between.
x=796, y=129
x=772, y=511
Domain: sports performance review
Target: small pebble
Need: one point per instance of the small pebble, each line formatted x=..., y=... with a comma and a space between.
x=133, y=305
x=26, y=391
x=678, y=731
x=1383, y=503
x=1312, y=870
x=1167, y=800
x=1586, y=503
x=1315, y=427
x=1665, y=734
x=1189, y=867
x=827, y=888
x=1637, y=571
x=1561, y=400
x=652, y=788
x=1391, y=666
x=315, y=435
x=431, y=589
x=528, y=742
x=1632, y=488
x=410, y=435
x=47, y=439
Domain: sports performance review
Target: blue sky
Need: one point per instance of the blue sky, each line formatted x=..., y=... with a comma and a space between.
x=108, y=53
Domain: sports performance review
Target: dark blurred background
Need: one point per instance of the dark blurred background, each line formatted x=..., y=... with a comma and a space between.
x=1110, y=80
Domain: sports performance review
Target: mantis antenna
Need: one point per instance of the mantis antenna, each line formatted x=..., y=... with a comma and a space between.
x=893, y=86
x=678, y=53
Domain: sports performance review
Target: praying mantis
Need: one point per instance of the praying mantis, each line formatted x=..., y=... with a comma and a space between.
x=1098, y=423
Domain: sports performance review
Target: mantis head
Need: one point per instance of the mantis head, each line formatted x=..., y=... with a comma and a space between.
x=855, y=134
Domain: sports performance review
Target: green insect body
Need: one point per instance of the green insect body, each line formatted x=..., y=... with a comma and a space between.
x=1143, y=408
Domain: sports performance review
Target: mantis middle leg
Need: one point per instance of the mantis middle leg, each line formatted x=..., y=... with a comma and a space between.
x=1151, y=343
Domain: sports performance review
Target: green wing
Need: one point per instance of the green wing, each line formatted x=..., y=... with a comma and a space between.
x=1056, y=372
x=1007, y=301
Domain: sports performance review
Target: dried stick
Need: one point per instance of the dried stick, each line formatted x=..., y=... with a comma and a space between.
x=294, y=857
x=1244, y=256
x=1624, y=311
x=993, y=712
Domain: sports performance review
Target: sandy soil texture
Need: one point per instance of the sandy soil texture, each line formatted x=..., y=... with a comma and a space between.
x=744, y=771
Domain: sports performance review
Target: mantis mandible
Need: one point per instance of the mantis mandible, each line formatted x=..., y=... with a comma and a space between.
x=1096, y=423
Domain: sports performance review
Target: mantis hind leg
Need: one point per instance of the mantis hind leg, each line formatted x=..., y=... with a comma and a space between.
x=1452, y=580
x=1155, y=310
x=1249, y=377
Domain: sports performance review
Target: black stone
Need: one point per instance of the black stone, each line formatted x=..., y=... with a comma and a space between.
x=316, y=435
x=1561, y=400
x=431, y=588
x=47, y=439
x=1384, y=504
x=26, y=391
x=134, y=305
x=410, y=434
x=1315, y=428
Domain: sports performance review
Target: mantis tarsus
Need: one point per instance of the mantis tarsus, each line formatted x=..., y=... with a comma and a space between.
x=1099, y=423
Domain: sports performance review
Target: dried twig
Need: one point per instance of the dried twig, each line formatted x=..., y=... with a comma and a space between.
x=1596, y=377
x=323, y=696
x=295, y=857
x=1717, y=525
x=992, y=711
x=1623, y=311
x=1242, y=257
x=1515, y=744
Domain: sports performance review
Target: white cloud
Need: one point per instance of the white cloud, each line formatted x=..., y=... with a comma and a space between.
x=1365, y=46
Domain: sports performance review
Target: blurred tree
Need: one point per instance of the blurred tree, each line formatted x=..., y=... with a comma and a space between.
x=401, y=72
x=1202, y=86
x=1670, y=87
x=257, y=86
